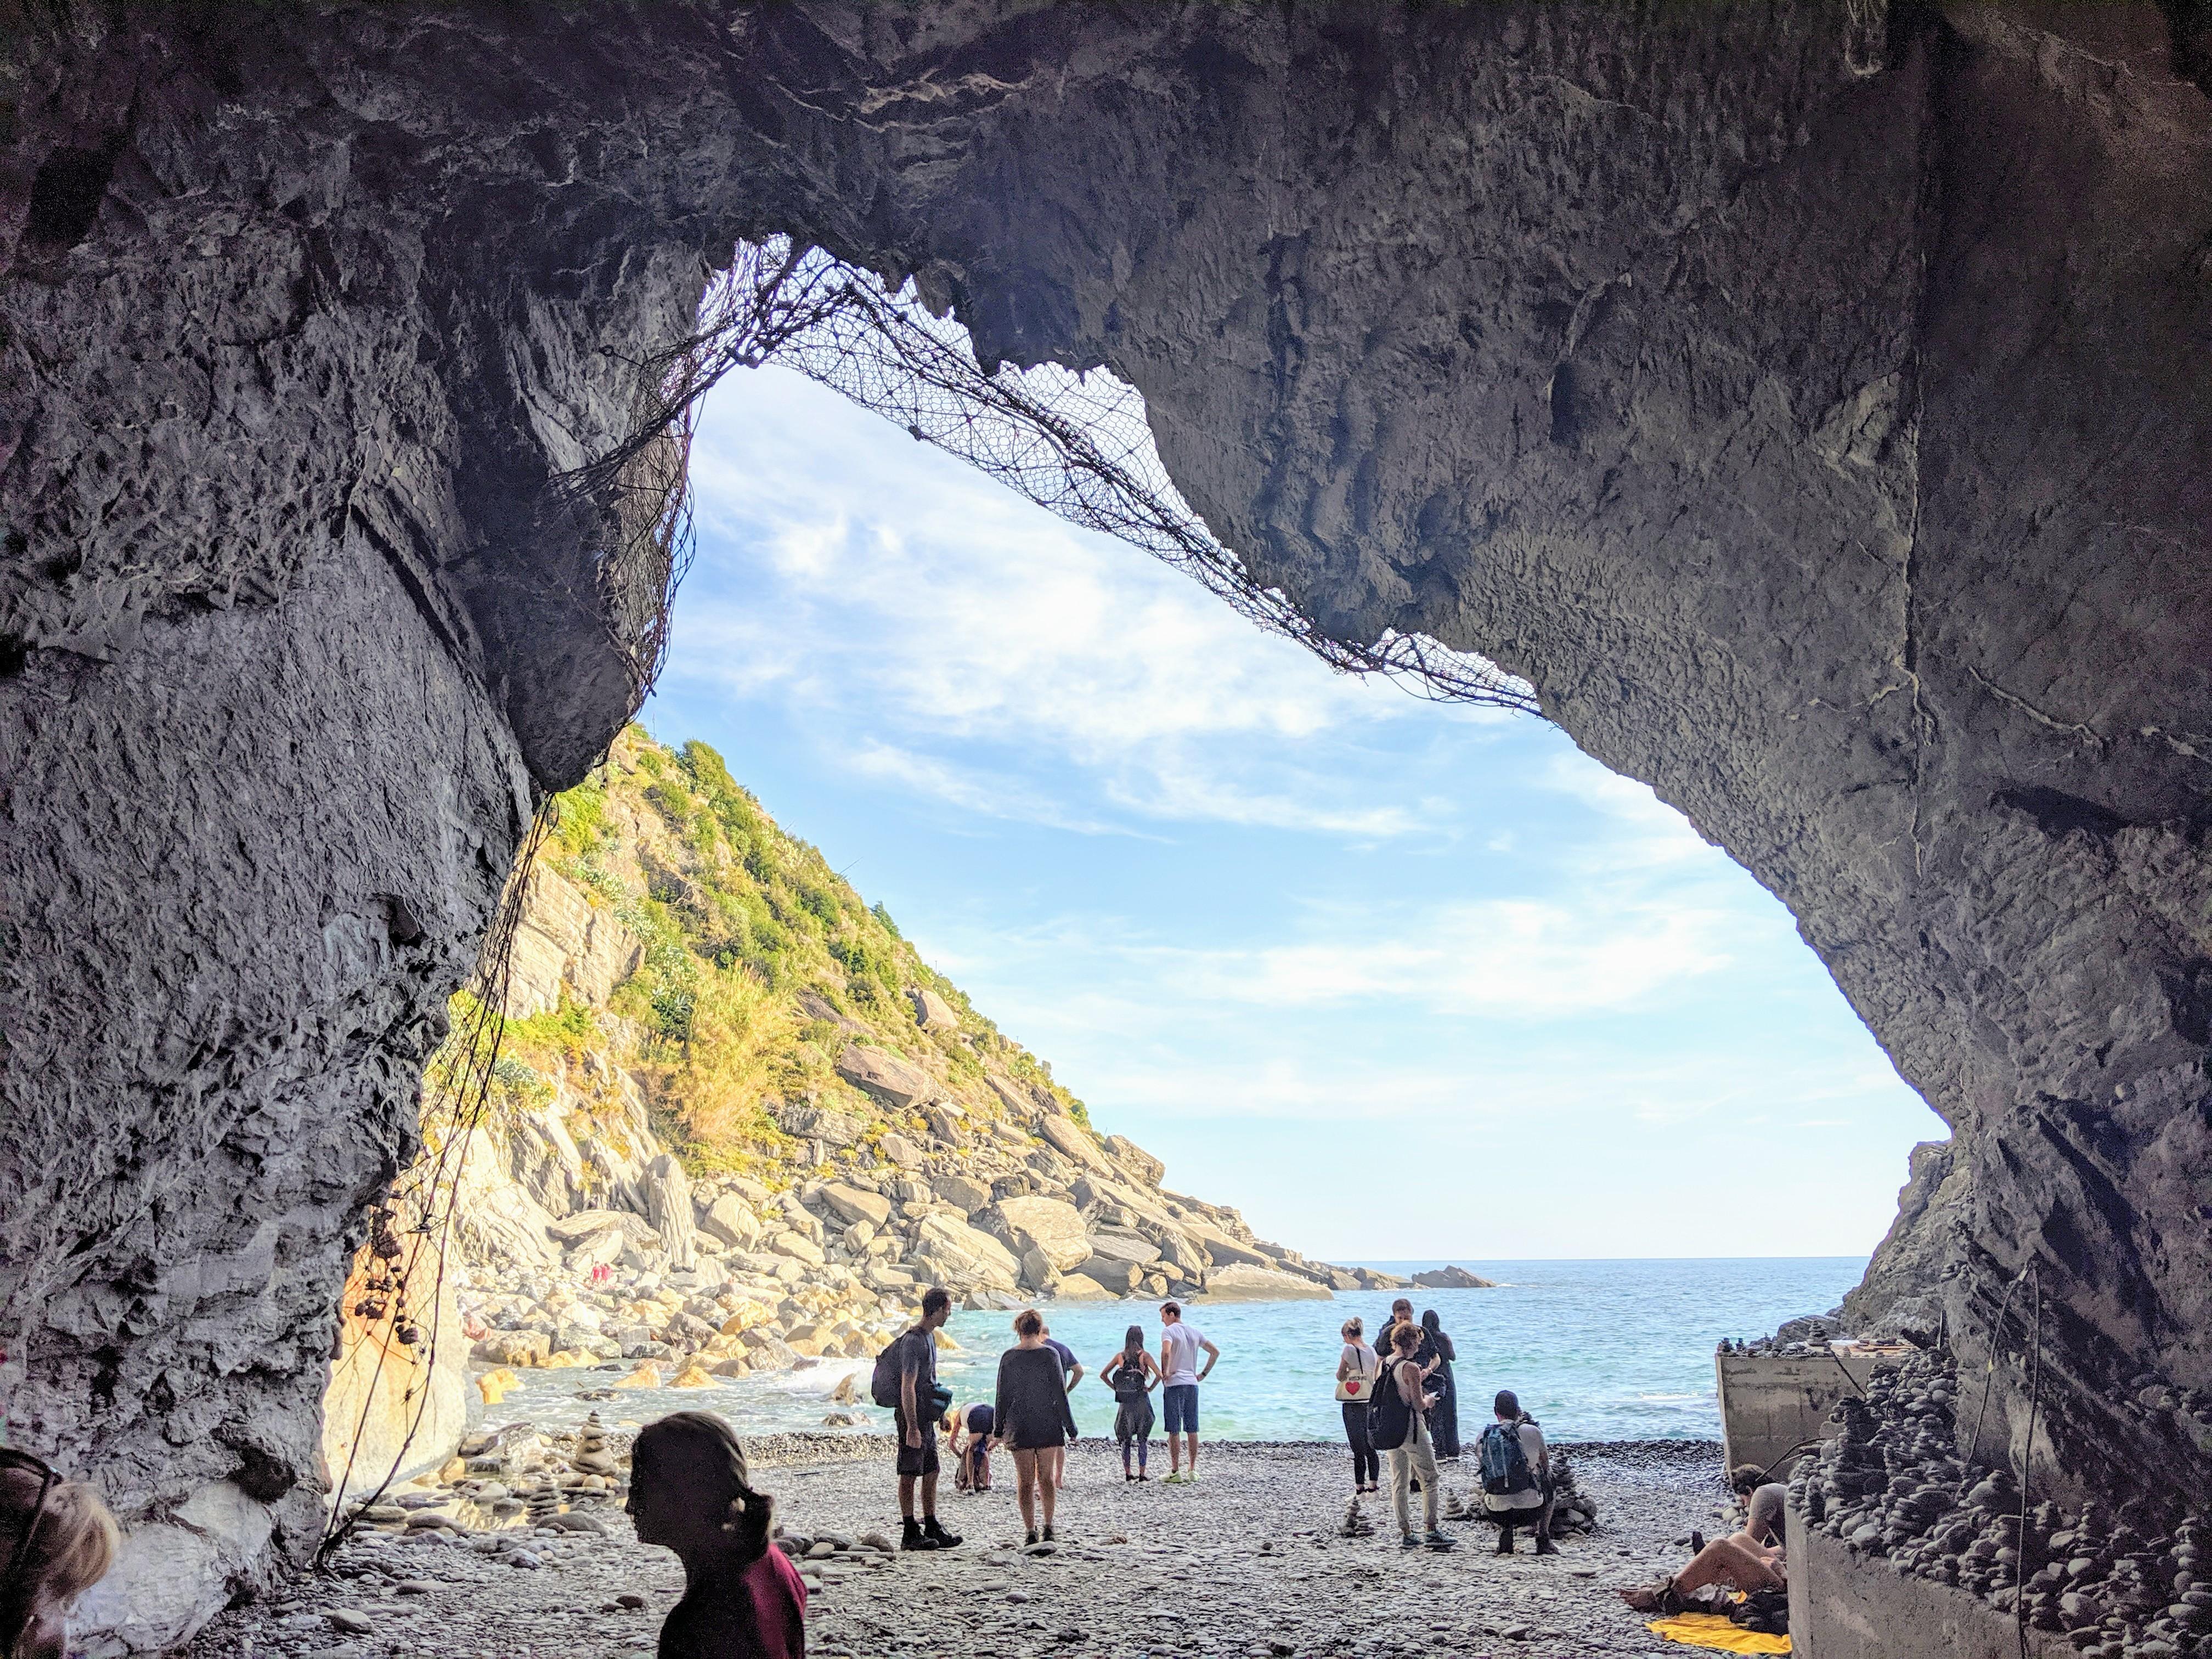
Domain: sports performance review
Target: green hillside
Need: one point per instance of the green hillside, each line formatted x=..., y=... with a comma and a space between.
x=757, y=965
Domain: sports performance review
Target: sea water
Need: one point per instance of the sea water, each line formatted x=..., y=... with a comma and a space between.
x=1596, y=1350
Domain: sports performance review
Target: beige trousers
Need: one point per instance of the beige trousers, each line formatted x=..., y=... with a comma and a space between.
x=1418, y=1456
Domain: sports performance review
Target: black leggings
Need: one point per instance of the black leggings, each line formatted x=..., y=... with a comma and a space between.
x=1366, y=1461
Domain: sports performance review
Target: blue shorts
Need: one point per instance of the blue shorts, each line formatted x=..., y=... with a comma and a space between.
x=1181, y=1400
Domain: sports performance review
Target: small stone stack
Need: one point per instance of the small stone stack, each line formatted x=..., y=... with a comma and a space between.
x=592, y=1455
x=1356, y=1523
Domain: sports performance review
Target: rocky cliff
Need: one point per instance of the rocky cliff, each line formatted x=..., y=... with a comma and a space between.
x=1804, y=398
x=846, y=1128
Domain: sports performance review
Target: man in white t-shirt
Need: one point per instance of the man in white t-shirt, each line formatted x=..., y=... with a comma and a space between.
x=1180, y=1374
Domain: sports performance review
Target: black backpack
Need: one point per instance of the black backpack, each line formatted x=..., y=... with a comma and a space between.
x=891, y=1366
x=1389, y=1419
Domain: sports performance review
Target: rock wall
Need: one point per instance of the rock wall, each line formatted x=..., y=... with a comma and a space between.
x=1806, y=400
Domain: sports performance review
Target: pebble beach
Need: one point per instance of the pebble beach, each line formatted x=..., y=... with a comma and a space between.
x=1251, y=1561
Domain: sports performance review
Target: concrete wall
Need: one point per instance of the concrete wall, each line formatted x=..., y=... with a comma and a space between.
x=1844, y=1605
x=1769, y=1402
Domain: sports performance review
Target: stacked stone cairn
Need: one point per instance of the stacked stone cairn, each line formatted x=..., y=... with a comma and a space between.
x=1576, y=1510
x=1356, y=1523
x=1892, y=1486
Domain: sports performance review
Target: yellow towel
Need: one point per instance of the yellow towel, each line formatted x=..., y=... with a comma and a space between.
x=1710, y=1630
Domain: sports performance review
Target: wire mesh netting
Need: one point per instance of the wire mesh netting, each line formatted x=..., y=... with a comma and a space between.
x=1076, y=444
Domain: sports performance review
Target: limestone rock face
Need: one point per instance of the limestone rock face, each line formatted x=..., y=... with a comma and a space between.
x=1243, y=1283
x=1072, y=1140
x=668, y=1206
x=965, y=1254
x=562, y=941
x=1051, y=1227
x=1805, y=399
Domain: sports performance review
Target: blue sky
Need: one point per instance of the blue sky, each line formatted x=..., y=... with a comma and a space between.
x=1398, y=979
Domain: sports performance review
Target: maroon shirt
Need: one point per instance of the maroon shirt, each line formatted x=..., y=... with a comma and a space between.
x=770, y=1624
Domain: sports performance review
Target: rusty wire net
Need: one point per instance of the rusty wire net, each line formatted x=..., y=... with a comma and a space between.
x=1076, y=444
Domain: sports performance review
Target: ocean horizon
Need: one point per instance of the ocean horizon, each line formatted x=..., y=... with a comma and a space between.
x=1596, y=1349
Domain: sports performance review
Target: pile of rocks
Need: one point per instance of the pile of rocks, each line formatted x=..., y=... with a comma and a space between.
x=1892, y=1486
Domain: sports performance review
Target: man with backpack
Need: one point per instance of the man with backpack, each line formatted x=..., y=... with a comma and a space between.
x=905, y=1379
x=1516, y=1475
x=1398, y=1425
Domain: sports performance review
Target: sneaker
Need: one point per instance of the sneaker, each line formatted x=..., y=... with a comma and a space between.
x=1505, y=1541
x=1411, y=1542
x=1173, y=1479
x=934, y=1531
x=1030, y=1541
x=1544, y=1546
x=1437, y=1541
x=914, y=1538
x=1048, y=1532
x=1141, y=1475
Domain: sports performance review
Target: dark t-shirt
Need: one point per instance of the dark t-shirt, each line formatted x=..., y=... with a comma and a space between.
x=981, y=1419
x=917, y=1355
x=1067, y=1357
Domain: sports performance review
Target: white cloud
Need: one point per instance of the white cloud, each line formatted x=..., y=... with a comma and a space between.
x=954, y=615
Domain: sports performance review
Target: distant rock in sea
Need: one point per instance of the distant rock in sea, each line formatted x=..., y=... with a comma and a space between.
x=1452, y=1278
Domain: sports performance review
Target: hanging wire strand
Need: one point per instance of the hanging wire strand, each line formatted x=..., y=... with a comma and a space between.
x=1076, y=444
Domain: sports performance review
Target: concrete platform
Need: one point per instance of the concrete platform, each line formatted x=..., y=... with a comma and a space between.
x=1844, y=1605
x=1769, y=1402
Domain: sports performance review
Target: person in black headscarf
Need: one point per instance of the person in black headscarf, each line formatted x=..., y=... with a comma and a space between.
x=1443, y=1417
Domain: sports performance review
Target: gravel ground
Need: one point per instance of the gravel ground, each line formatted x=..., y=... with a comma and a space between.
x=1248, y=1564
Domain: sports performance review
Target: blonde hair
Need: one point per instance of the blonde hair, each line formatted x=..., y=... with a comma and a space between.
x=74, y=1543
x=1353, y=1329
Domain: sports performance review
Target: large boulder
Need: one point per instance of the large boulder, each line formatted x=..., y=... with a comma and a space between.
x=1014, y=1096
x=964, y=1193
x=1050, y=1225
x=1071, y=1139
x=931, y=1012
x=1135, y=1160
x=894, y=1081
x=804, y=1121
x=856, y=1203
x=731, y=1220
x=962, y=1254
x=1240, y=1282
x=1120, y=1277
x=1079, y=1287
x=1122, y=1245
x=1221, y=1249
x=668, y=1206
x=797, y=1246
x=900, y=1150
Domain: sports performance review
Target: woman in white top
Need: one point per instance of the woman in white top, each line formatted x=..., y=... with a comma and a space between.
x=1357, y=1368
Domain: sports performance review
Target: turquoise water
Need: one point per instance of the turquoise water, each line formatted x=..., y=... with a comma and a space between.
x=1597, y=1351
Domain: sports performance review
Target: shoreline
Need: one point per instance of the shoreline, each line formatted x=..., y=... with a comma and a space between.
x=1251, y=1563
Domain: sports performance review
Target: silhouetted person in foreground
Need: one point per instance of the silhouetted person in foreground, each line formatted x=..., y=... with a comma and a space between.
x=689, y=1491
x=56, y=1542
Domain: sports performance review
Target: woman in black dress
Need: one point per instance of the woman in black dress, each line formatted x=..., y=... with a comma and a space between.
x=1033, y=1415
x=1131, y=1374
x=1443, y=1416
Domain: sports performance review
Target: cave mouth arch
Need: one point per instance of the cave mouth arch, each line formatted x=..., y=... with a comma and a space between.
x=1875, y=524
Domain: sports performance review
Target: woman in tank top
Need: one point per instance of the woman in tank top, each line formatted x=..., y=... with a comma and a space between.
x=1132, y=1374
